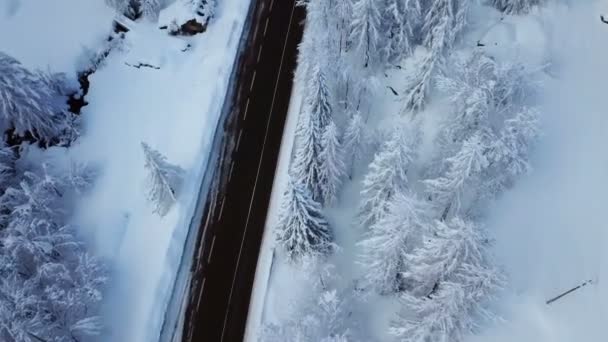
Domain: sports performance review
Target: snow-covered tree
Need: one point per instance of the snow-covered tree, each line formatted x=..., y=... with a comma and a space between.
x=80, y=177
x=442, y=23
x=7, y=165
x=386, y=244
x=485, y=144
x=164, y=180
x=204, y=9
x=366, y=31
x=386, y=177
x=452, y=278
x=340, y=17
x=302, y=229
x=33, y=202
x=516, y=6
x=464, y=169
x=332, y=169
x=401, y=18
x=132, y=9
x=509, y=154
x=323, y=317
x=51, y=287
x=313, y=120
x=29, y=101
x=354, y=141
x=150, y=9
x=443, y=252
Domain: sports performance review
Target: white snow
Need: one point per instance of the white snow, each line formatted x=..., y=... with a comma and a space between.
x=174, y=109
x=550, y=230
x=53, y=34
x=261, y=293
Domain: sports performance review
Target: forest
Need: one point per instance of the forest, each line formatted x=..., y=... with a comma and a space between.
x=415, y=210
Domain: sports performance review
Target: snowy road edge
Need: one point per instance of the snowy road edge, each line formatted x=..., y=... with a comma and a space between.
x=255, y=315
x=177, y=304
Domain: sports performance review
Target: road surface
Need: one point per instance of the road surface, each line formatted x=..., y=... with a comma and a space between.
x=233, y=223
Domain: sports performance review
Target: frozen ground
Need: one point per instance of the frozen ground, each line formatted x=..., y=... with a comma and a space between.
x=174, y=109
x=549, y=229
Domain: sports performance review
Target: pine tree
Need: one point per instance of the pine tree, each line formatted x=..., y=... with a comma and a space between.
x=464, y=169
x=7, y=166
x=51, y=287
x=452, y=312
x=355, y=141
x=332, y=168
x=302, y=229
x=388, y=241
x=366, y=31
x=401, y=18
x=386, y=177
x=442, y=23
x=164, y=180
x=516, y=6
x=313, y=120
x=29, y=101
x=442, y=254
x=491, y=115
x=340, y=18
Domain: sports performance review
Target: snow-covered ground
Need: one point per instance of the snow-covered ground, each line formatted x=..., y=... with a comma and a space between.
x=549, y=229
x=174, y=109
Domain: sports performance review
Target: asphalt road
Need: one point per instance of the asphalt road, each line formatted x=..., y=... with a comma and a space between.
x=233, y=224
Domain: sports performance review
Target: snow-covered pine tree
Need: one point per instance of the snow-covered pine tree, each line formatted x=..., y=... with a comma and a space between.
x=386, y=177
x=332, y=169
x=313, y=120
x=80, y=177
x=33, y=202
x=442, y=254
x=50, y=288
x=355, y=140
x=323, y=317
x=7, y=166
x=164, y=180
x=341, y=13
x=150, y=9
x=390, y=239
x=302, y=229
x=366, y=32
x=401, y=19
x=131, y=9
x=463, y=171
x=451, y=312
x=509, y=154
x=29, y=101
x=444, y=317
x=516, y=6
x=490, y=107
x=442, y=23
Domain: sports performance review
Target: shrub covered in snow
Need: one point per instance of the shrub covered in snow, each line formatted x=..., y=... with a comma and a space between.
x=31, y=101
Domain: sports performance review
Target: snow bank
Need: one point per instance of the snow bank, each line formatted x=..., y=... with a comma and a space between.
x=53, y=34
x=263, y=290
